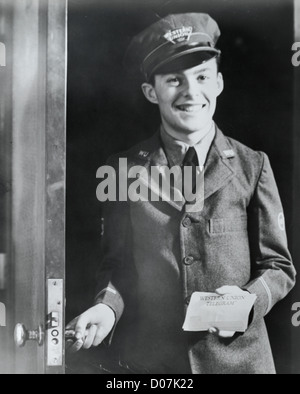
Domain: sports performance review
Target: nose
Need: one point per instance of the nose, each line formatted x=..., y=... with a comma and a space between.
x=191, y=89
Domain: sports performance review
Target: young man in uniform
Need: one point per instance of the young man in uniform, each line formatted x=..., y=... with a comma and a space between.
x=156, y=254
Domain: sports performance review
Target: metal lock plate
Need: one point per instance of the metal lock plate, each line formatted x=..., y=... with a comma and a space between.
x=55, y=323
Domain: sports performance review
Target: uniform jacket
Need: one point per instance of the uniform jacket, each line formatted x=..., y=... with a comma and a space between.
x=156, y=254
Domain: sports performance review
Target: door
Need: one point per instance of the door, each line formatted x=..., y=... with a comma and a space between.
x=33, y=130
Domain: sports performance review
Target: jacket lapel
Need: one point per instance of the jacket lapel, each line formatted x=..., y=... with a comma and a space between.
x=218, y=169
x=151, y=154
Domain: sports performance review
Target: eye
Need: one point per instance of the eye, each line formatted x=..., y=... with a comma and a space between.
x=203, y=78
x=174, y=81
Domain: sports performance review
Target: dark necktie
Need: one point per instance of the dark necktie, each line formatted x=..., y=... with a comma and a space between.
x=191, y=160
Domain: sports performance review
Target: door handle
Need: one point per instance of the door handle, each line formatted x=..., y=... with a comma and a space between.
x=70, y=334
x=22, y=335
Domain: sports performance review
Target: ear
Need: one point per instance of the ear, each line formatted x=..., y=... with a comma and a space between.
x=150, y=93
x=220, y=83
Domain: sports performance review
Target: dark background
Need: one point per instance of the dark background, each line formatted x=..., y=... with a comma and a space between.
x=107, y=113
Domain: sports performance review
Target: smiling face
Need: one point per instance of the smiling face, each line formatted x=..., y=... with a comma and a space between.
x=187, y=99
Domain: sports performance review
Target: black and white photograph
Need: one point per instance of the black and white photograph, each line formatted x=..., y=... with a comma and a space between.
x=149, y=189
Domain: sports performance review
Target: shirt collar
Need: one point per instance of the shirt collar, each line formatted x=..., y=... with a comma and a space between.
x=176, y=150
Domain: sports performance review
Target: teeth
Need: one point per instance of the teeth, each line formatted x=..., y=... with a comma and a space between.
x=190, y=108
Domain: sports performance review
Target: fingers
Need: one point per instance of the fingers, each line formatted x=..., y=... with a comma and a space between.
x=229, y=290
x=100, y=336
x=221, y=333
x=81, y=326
x=74, y=348
x=71, y=346
x=226, y=334
x=94, y=337
x=90, y=336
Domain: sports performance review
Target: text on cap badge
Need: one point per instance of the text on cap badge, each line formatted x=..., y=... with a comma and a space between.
x=179, y=35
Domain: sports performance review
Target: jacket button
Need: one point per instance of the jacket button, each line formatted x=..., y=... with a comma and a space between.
x=188, y=260
x=187, y=222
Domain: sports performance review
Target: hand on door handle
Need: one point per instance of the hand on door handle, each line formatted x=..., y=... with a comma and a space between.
x=92, y=327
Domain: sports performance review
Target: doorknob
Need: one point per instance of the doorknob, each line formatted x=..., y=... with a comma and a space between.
x=22, y=335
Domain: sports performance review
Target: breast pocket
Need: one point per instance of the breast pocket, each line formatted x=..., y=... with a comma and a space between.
x=228, y=251
x=227, y=226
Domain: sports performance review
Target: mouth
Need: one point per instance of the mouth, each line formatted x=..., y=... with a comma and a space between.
x=190, y=108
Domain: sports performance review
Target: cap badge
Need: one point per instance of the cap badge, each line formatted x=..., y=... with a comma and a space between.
x=179, y=35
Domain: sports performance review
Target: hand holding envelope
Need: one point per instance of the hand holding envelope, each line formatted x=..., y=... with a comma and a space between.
x=224, y=312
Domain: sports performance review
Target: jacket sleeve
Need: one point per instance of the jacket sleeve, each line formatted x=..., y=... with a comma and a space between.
x=115, y=273
x=273, y=273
